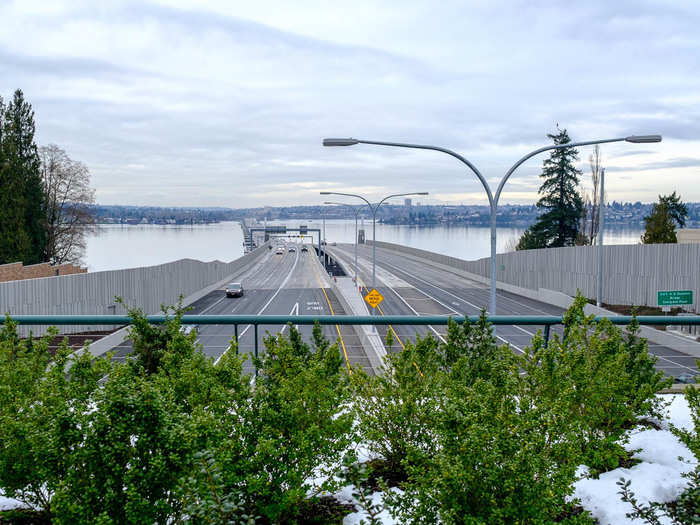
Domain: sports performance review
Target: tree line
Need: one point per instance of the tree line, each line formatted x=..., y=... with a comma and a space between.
x=44, y=211
x=569, y=216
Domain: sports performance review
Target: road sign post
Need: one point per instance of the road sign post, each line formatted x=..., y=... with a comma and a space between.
x=674, y=297
x=373, y=298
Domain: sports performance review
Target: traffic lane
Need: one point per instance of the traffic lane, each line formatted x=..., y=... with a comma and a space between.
x=393, y=304
x=211, y=302
x=287, y=301
x=670, y=361
x=429, y=300
x=216, y=339
x=469, y=298
x=476, y=293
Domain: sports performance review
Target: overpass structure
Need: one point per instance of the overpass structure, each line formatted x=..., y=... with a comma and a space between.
x=413, y=283
x=297, y=282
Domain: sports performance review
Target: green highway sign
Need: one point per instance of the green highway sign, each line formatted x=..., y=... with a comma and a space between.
x=674, y=297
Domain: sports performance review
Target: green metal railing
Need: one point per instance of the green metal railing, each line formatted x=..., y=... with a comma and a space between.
x=257, y=320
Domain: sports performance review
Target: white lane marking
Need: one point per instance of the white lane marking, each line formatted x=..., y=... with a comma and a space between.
x=295, y=311
x=286, y=280
x=479, y=286
x=446, y=306
x=531, y=334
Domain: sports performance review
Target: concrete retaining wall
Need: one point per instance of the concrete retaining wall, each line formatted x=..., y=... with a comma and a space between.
x=632, y=273
x=93, y=293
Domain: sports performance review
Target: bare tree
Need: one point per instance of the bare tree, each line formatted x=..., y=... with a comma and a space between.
x=67, y=196
x=511, y=244
x=595, y=161
x=583, y=238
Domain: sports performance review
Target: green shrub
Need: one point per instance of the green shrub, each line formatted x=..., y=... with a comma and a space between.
x=42, y=414
x=293, y=428
x=113, y=452
x=596, y=382
x=396, y=408
x=494, y=455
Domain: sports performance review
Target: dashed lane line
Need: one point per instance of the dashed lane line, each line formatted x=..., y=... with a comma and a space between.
x=444, y=305
x=284, y=282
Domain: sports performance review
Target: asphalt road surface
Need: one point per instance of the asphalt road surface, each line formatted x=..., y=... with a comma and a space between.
x=292, y=283
x=413, y=286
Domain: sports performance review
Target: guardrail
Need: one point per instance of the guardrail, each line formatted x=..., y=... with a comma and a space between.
x=547, y=321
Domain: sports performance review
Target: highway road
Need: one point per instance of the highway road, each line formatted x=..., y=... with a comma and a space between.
x=413, y=286
x=293, y=283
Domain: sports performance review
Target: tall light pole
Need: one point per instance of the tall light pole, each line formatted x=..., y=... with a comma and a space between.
x=356, y=211
x=374, y=221
x=493, y=199
x=601, y=220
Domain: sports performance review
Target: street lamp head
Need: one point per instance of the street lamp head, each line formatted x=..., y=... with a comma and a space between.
x=325, y=192
x=340, y=142
x=422, y=193
x=643, y=139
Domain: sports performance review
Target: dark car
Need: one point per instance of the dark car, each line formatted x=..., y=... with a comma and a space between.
x=234, y=290
x=304, y=249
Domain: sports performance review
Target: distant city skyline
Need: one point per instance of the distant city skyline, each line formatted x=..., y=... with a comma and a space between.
x=213, y=103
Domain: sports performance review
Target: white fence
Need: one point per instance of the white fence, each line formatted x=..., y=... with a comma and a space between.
x=93, y=293
x=633, y=273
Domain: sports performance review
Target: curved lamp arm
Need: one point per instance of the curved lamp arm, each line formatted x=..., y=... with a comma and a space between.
x=454, y=154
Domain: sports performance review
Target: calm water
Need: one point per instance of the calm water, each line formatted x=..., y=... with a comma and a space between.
x=124, y=246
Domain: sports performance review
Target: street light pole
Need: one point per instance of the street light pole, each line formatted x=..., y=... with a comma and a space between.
x=374, y=221
x=601, y=220
x=493, y=199
x=356, y=211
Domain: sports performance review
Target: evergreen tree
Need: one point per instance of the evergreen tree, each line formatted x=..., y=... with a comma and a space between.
x=22, y=234
x=677, y=210
x=561, y=202
x=13, y=238
x=660, y=224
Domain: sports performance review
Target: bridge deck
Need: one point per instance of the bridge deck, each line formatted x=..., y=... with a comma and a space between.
x=414, y=287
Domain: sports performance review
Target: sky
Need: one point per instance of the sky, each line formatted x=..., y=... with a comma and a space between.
x=226, y=103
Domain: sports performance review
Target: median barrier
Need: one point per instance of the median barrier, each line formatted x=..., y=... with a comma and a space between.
x=354, y=304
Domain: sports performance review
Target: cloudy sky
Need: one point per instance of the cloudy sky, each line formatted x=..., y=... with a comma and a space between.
x=225, y=103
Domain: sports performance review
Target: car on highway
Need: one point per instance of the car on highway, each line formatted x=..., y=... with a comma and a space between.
x=292, y=249
x=234, y=290
x=279, y=251
x=304, y=249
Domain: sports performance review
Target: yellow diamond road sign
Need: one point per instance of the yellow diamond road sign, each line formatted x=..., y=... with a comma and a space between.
x=374, y=298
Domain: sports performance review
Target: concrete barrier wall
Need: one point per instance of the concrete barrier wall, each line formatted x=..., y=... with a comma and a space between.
x=93, y=293
x=633, y=273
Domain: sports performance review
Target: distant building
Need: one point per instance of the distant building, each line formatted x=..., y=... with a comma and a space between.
x=407, y=203
x=688, y=236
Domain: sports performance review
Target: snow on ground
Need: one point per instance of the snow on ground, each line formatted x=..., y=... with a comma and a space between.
x=345, y=495
x=9, y=503
x=657, y=478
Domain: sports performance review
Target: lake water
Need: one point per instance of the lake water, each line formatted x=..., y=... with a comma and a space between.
x=128, y=246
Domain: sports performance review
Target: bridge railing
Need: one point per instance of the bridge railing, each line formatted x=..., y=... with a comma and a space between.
x=547, y=321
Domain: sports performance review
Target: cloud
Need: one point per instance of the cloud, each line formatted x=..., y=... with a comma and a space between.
x=181, y=102
x=684, y=162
